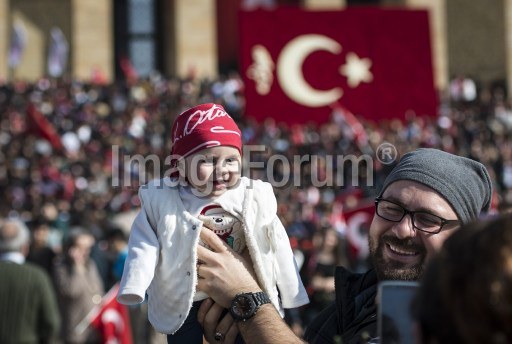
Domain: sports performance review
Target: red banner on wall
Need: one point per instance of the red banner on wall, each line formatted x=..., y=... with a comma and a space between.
x=298, y=64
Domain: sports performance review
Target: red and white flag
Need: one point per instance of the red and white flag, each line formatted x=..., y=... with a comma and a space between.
x=40, y=125
x=129, y=71
x=110, y=319
x=57, y=53
x=18, y=43
x=358, y=221
x=375, y=61
x=349, y=119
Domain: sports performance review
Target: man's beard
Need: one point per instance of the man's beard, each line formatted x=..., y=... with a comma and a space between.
x=394, y=270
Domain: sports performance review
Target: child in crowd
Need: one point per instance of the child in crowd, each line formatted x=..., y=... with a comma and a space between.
x=205, y=189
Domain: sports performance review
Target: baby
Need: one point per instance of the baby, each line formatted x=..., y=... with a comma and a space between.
x=205, y=189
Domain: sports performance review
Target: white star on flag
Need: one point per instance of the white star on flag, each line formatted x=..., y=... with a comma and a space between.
x=356, y=70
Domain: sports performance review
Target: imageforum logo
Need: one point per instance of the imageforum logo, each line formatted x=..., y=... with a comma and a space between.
x=318, y=170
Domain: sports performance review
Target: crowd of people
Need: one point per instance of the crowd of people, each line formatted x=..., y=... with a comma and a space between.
x=63, y=166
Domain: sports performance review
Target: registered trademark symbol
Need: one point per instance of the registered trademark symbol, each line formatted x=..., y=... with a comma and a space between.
x=386, y=153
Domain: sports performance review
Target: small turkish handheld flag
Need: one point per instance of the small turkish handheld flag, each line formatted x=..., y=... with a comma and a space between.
x=358, y=224
x=110, y=319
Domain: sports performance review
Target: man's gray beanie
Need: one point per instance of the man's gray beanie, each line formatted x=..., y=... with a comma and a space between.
x=463, y=182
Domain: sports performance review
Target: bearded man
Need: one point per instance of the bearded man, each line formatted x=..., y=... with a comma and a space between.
x=425, y=198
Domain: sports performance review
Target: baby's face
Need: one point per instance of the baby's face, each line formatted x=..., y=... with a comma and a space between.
x=213, y=170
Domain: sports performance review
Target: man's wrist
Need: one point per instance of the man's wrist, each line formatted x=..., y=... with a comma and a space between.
x=257, y=317
x=245, y=305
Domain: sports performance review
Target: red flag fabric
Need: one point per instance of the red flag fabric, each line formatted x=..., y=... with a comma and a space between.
x=374, y=61
x=358, y=222
x=128, y=69
x=41, y=126
x=110, y=319
x=357, y=128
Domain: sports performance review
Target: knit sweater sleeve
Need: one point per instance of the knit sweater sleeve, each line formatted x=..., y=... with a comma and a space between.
x=139, y=268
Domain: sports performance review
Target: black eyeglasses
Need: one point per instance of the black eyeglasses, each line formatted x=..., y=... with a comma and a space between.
x=421, y=220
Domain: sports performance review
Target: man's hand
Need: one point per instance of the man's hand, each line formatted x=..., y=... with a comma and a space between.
x=209, y=317
x=222, y=272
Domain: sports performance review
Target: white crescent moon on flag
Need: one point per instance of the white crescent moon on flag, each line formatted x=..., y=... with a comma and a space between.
x=113, y=316
x=289, y=70
x=357, y=238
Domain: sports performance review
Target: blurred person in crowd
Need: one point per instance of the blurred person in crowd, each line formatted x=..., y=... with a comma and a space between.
x=463, y=89
x=40, y=253
x=117, y=243
x=425, y=198
x=78, y=284
x=329, y=253
x=101, y=254
x=466, y=293
x=28, y=307
x=205, y=189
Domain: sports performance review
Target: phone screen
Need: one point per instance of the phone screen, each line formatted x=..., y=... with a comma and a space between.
x=395, y=323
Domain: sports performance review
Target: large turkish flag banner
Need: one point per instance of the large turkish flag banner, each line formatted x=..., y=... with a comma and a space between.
x=298, y=65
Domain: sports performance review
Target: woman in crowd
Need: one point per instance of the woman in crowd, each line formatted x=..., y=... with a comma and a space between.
x=79, y=286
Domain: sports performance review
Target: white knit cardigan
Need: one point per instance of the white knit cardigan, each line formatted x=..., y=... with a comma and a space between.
x=163, y=251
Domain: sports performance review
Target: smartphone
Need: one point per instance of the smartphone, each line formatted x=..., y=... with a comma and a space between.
x=394, y=319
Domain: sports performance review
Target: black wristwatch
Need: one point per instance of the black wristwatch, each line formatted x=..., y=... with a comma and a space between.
x=245, y=305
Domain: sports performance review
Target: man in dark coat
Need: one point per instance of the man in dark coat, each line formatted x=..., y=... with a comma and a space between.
x=28, y=306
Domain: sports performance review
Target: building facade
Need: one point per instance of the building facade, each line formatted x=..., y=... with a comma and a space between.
x=199, y=37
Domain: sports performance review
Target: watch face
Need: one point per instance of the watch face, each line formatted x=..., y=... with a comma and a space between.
x=243, y=306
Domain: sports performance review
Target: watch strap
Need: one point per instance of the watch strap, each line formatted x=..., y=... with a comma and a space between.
x=260, y=298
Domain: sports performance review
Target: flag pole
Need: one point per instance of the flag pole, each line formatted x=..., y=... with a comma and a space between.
x=93, y=313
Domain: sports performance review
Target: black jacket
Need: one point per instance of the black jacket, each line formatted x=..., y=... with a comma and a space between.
x=352, y=317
